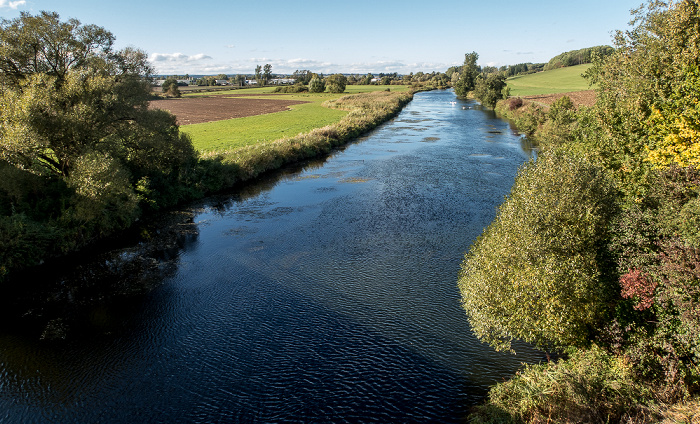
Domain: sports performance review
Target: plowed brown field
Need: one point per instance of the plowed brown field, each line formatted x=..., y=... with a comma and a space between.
x=196, y=110
x=579, y=98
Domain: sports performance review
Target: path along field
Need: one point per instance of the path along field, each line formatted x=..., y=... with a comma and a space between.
x=228, y=120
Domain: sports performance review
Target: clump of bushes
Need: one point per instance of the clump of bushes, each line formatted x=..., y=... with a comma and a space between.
x=538, y=271
x=514, y=103
x=590, y=386
x=296, y=88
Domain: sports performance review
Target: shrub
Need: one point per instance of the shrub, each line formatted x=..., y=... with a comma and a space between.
x=316, y=85
x=591, y=386
x=537, y=273
x=515, y=103
x=296, y=88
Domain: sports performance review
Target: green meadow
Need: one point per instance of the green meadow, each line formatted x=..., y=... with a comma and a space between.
x=302, y=118
x=561, y=80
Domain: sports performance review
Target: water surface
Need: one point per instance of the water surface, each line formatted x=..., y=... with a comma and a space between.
x=325, y=293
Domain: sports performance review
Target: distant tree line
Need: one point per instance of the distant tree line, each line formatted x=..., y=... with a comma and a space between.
x=578, y=57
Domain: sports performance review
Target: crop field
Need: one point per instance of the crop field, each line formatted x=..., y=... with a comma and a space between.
x=237, y=118
x=562, y=80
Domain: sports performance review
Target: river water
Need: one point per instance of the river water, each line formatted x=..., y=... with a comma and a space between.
x=324, y=293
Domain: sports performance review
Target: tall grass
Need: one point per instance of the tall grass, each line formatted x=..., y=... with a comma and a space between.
x=592, y=386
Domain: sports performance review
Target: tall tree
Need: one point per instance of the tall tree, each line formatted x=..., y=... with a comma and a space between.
x=258, y=75
x=71, y=101
x=267, y=73
x=467, y=75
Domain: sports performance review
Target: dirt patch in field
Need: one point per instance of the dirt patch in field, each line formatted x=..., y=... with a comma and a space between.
x=579, y=98
x=217, y=108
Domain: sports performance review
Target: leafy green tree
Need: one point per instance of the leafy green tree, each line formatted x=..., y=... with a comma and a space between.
x=336, y=83
x=468, y=75
x=259, y=75
x=650, y=62
x=171, y=88
x=489, y=88
x=303, y=76
x=69, y=99
x=317, y=85
x=538, y=272
x=267, y=73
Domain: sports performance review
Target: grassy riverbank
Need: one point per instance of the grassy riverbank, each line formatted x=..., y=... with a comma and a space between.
x=362, y=112
x=301, y=118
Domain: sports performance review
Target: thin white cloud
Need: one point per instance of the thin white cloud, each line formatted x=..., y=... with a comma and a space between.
x=179, y=63
x=12, y=4
x=177, y=57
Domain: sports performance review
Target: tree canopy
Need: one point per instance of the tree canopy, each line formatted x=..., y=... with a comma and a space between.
x=467, y=75
x=75, y=116
x=536, y=274
x=336, y=83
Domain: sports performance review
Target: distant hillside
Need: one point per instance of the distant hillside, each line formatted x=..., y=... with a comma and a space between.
x=561, y=80
x=577, y=57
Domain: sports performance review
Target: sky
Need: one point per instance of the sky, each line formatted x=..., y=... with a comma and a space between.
x=358, y=36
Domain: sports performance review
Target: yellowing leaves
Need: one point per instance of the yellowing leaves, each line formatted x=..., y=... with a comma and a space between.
x=674, y=133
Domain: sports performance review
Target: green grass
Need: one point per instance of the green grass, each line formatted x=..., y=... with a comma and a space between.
x=302, y=118
x=560, y=80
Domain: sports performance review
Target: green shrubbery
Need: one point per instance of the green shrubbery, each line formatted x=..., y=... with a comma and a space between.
x=538, y=273
x=296, y=88
x=596, y=252
x=591, y=386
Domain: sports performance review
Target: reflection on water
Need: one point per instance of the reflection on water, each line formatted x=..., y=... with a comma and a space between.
x=326, y=292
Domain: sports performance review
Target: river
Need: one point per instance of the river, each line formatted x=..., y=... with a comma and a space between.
x=323, y=293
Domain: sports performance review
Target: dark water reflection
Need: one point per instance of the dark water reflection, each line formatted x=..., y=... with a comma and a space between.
x=323, y=294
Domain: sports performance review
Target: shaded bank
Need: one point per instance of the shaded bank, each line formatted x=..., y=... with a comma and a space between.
x=52, y=218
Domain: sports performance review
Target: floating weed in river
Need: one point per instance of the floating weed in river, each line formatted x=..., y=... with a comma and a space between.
x=430, y=139
x=355, y=180
x=307, y=177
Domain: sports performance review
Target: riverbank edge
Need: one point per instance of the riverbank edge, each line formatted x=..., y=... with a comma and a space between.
x=567, y=384
x=218, y=172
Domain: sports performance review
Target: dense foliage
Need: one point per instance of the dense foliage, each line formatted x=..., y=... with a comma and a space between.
x=578, y=57
x=317, y=85
x=620, y=251
x=467, y=75
x=82, y=152
x=336, y=83
x=538, y=271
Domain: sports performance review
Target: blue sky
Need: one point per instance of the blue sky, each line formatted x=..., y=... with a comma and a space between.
x=357, y=36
